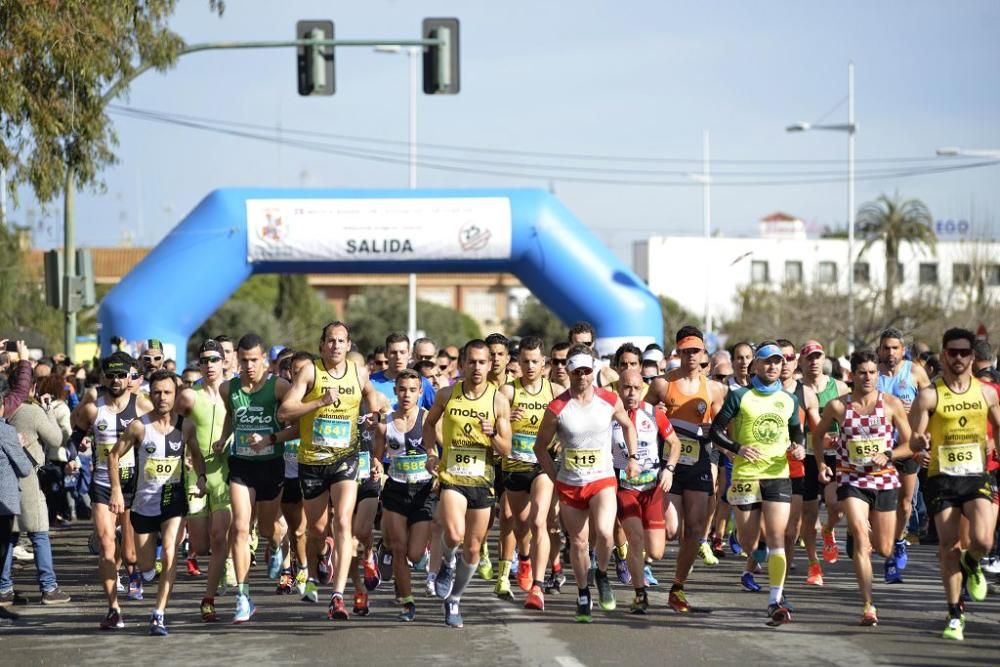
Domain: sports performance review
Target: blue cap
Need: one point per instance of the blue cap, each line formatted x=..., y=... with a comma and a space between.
x=275, y=351
x=768, y=351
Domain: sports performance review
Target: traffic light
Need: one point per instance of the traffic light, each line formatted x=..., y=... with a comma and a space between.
x=441, y=62
x=78, y=289
x=315, y=61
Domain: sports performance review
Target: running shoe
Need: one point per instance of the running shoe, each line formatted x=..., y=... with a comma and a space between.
x=336, y=611
x=677, y=600
x=734, y=544
x=975, y=581
x=831, y=552
x=525, y=577
x=452, y=614
x=252, y=543
x=955, y=630
x=408, y=612
x=501, y=589
x=605, y=596
x=325, y=569
x=429, y=588
x=535, y=599
x=420, y=565
x=647, y=574
x=484, y=570
x=899, y=552
x=208, y=613
x=706, y=555
x=892, y=575
x=383, y=560
x=119, y=586
x=157, y=628
x=113, y=620
x=748, y=582
x=311, y=592
x=759, y=554
x=301, y=577
x=552, y=583
x=621, y=568
x=286, y=583
x=640, y=603
x=779, y=614
x=815, y=575
x=192, y=567
x=515, y=563
x=135, y=586
x=245, y=609
x=991, y=565
x=274, y=558
x=584, y=606
x=870, y=615
x=444, y=580
x=717, y=549
x=372, y=575
x=360, y=603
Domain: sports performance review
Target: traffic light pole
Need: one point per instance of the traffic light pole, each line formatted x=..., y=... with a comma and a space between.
x=69, y=223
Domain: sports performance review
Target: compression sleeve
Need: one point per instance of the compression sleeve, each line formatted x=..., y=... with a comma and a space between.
x=730, y=408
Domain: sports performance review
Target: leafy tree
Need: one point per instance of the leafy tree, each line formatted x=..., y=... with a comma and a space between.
x=537, y=320
x=377, y=311
x=674, y=317
x=23, y=313
x=61, y=61
x=895, y=221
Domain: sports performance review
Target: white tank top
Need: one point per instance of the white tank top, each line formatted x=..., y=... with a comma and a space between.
x=405, y=451
x=647, y=447
x=160, y=464
x=108, y=426
x=584, y=431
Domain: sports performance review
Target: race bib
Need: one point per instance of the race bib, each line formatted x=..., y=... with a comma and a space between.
x=861, y=450
x=583, y=460
x=409, y=469
x=292, y=451
x=744, y=492
x=331, y=433
x=364, y=466
x=523, y=448
x=689, y=452
x=467, y=464
x=243, y=447
x=960, y=460
x=163, y=470
x=643, y=482
x=124, y=462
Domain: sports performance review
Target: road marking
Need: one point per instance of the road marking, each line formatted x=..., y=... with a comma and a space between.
x=568, y=661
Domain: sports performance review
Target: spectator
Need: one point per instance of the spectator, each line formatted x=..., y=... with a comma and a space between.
x=50, y=393
x=19, y=380
x=14, y=464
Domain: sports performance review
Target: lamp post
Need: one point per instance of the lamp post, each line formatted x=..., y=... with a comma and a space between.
x=414, y=53
x=851, y=127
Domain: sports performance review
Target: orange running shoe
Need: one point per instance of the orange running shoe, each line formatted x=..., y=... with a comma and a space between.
x=815, y=576
x=831, y=552
x=535, y=599
x=524, y=575
x=360, y=603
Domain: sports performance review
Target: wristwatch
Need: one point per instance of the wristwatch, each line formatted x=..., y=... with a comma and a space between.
x=669, y=466
x=634, y=457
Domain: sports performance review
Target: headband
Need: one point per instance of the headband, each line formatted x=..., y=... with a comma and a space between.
x=579, y=361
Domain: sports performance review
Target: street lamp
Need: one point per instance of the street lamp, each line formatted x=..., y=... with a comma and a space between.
x=414, y=53
x=851, y=127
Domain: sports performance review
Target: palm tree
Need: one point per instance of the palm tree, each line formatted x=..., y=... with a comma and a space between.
x=895, y=221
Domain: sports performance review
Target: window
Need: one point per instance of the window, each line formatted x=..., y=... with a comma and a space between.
x=862, y=273
x=827, y=273
x=442, y=296
x=481, y=305
x=793, y=272
x=759, y=273
x=928, y=273
x=993, y=275
x=899, y=272
x=961, y=274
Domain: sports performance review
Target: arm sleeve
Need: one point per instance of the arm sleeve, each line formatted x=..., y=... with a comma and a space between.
x=664, y=425
x=19, y=388
x=730, y=408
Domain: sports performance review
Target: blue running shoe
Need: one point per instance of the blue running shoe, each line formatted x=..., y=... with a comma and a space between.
x=621, y=569
x=452, y=616
x=515, y=564
x=444, y=581
x=421, y=565
x=157, y=628
x=892, y=575
x=748, y=582
x=734, y=544
x=245, y=609
x=647, y=573
x=274, y=563
x=135, y=586
x=899, y=553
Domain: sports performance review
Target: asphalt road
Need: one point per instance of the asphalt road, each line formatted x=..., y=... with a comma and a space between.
x=730, y=629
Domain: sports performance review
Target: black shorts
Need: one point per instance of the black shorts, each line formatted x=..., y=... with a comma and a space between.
x=416, y=502
x=944, y=491
x=498, y=481
x=799, y=486
x=102, y=494
x=291, y=492
x=771, y=491
x=316, y=480
x=689, y=478
x=907, y=466
x=265, y=477
x=880, y=501
x=151, y=524
x=369, y=488
x=477, y=497
x=520, y=481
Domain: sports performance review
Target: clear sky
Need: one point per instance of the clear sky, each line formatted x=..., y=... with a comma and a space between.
x=626, y=79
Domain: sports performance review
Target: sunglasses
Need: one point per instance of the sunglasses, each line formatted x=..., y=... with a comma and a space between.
x=588, y=343
x=790, y=358
x=453, y=358
x=962, y=352
x=151, y=358
x=384, y=363
x=558, y=362
x=721, y=377
x=209, y=360
x=116, y=376
x=442, y=367
x=583, y=371
x=705, y=364
x=425, y=357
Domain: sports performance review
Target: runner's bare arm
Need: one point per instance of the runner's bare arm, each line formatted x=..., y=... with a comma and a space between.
x=431, y=432
x=292, y=408
x=920, y=413
x=631, y=437
x=897, y=414
x=657, y=392
x=501, y=437
x=378, y=438
x=993, y=405
x=546, y=433
x=131, y=436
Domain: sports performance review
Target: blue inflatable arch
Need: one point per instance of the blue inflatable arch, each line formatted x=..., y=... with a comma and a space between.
x=236, y=232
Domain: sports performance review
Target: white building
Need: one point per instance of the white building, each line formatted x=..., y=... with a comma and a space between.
x=695, y=269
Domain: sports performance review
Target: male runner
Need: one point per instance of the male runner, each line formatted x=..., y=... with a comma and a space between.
x=291, y=496
x=766, y=425
x=397, y=351
x=582, y=417
x=583, y=333
x=475, y=426
x=229, y=362
x=949, y=420
x=867, y=482
x=499, y=347
x=326, y=398
x=160, y=499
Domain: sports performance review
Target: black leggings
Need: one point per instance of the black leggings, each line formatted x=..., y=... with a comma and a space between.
x=6, y=524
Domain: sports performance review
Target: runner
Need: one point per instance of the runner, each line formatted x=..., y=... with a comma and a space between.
x=640, y=498
x=529, y=492
x=583, y=333
x=867, y=483
x=229, y=362
x=160, y=500
x=499, y=347
x=582, y=417
x=106, y=419
x=209, y=514
x=475, y=426
x=407, y=498
x=556, y=577
x=691, y=401
x=766, y=424
x=152, y=361
x=949, y=420
x=256, y=464
x=904, y=380
x=325, y=399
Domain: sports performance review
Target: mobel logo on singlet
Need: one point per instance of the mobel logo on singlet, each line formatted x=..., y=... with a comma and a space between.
x=532, y=406
x=961, y=406
x=252, y=414
x=467, y=412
